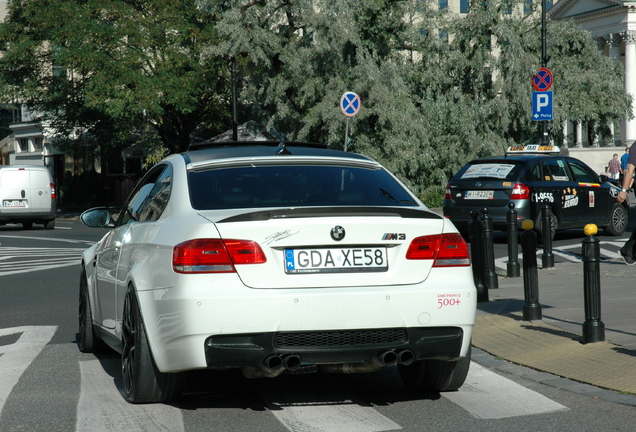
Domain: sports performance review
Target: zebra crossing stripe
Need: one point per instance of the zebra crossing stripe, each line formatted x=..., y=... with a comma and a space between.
x=17, y=356
x=291, y=408
x=101, y=408
x=487, y=395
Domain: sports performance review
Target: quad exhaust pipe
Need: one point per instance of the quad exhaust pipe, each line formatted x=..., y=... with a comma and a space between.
x=274, y=365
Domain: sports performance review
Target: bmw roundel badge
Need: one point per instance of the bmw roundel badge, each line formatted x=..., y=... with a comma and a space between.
x=337, y=233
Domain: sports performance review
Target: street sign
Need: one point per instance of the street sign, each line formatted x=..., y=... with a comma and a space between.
x=542, y=80
x=541, y=105
x=350, y=104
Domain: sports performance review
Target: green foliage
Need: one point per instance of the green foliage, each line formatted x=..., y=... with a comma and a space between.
x=117, y=66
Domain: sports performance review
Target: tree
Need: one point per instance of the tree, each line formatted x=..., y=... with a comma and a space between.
x=111, y=67
x=436, y=89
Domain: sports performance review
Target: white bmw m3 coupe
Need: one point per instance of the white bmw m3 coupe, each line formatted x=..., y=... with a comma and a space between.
x=272, y=258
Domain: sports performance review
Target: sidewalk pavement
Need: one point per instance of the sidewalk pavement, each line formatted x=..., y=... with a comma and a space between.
x=554, y=344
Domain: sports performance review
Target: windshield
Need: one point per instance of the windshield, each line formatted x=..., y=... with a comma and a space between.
x=294, y=186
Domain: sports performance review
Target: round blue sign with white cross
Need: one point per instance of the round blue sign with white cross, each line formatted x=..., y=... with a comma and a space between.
x=350, y=104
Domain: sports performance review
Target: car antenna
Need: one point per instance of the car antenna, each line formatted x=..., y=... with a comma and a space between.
x=283, y=149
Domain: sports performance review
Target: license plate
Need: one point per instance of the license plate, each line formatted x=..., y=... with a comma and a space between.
x=334, y=260
x=479, y=194
x=15, y=203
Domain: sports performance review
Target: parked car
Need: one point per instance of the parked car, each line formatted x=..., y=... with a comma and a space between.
x=529, y=177
x=275, y=258
x=27, y=194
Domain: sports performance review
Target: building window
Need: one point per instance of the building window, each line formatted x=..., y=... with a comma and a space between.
x=23, y=144
x=37, y=144
x=443, y=4
x=464, y=6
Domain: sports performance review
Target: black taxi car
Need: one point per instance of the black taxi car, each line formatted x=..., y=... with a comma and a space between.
x=530, y=176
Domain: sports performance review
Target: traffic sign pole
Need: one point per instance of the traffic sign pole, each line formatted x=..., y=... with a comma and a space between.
x=346, y=135
x=544, y=124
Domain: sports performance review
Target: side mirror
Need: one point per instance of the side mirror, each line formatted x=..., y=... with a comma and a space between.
x=97, y=218
x=603, y=178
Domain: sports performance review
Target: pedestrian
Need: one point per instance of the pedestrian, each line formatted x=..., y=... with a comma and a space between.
x=624, y=159
x=628, y=249
x=614, y=167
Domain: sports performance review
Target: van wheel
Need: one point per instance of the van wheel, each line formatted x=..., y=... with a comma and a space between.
x=27, y=225
x=50, y=224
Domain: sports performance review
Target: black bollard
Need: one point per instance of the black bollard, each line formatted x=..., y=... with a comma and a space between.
x=512, y=266
x=593, y=327
x=531, y=307
x=547, y=257
x=489, y=252
x=477, y=256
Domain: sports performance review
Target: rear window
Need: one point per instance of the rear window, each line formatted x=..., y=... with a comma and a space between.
x=294, y=186
x=489, y=170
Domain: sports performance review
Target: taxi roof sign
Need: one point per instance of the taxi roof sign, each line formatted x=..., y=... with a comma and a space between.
x=533, y=149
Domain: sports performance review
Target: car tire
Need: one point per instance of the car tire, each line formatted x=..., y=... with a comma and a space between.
x=49, y=224
x=617, y=220
x=88, y=341
x=143, y=382
x=435, y=375
x=538, y=226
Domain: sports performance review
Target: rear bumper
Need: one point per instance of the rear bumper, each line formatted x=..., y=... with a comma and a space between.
x=14, y=217
x=329, y=347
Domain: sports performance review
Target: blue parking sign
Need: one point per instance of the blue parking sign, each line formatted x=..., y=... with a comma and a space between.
x=541, y=105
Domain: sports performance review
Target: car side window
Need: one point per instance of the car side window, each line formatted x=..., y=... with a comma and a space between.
x=157, y=199
x=142, y=197
x=583, y=173
x=555, y=169
x=535, y=174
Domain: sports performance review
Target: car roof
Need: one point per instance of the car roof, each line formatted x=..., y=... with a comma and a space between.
x=246, y=149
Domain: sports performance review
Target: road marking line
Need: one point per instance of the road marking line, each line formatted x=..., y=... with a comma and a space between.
x=102, y=408
x=291, y=407
x=487, y=395
x=15, y=358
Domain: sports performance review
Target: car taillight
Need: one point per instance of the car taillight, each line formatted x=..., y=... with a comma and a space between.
x=447, y=250
x=52, y=191
x=520, y=191
x=215, y=256
x=447, y=194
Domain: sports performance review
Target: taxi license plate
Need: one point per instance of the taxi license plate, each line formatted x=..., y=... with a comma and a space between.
x=334, y=260
x=479, y=194
x=15, y=203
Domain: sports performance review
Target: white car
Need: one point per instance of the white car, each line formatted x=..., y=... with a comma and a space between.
x=276, y=258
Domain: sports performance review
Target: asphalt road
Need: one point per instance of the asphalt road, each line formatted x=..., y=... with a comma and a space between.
x=48, y=385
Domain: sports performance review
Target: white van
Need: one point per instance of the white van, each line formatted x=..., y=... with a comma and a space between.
x=27, y=196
